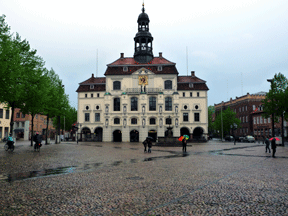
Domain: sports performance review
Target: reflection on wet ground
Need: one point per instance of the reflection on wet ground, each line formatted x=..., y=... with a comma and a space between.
x=93, y=166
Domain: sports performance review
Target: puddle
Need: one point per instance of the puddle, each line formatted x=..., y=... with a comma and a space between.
x=37, y=174
x=117, y=163
x=135, y=178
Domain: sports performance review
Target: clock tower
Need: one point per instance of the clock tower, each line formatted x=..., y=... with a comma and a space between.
x=143, y=40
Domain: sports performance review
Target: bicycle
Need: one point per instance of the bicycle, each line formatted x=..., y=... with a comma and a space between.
x=7, y=147
x=37, y=147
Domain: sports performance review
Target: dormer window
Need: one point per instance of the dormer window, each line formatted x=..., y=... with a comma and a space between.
x=159, y=68
x=191, y=85
x=125, y=68
x=91, y=86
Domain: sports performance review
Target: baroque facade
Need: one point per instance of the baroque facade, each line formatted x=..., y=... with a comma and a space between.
x=142, y=96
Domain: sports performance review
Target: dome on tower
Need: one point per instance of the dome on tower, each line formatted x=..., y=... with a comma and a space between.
x=143, y=16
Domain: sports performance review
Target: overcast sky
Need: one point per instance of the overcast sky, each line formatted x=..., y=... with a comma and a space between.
x=234, y=45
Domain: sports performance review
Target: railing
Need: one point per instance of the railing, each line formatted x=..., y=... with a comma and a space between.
x=144, y=90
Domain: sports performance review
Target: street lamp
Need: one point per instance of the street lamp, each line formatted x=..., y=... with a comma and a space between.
x=273, y=132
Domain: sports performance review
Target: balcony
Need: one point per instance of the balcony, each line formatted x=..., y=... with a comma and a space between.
x=144, y=91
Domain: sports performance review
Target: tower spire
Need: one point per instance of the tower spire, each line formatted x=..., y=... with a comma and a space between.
x=143, y=39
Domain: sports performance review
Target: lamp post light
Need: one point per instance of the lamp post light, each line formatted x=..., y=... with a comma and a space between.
x=273, y=130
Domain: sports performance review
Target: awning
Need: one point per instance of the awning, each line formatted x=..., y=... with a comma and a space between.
x=18, y=130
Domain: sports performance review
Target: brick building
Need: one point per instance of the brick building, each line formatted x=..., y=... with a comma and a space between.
x=5, y=116
x=23, y=125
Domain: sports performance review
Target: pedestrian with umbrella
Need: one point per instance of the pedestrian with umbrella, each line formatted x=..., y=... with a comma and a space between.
x=184, y=143
x=273, y=145
x=145, y=143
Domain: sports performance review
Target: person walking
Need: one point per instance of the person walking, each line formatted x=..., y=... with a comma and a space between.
x=37, y=139
x=10, y=141
x=273, y=146
x=184, y=145
x=267, y=142
x=145, y=145
x=149, y=145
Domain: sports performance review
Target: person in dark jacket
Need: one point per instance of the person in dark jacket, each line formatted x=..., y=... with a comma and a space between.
x=184, y=145
x=145, y=145
x=149, y=145
x=267, y=142
x=273, y=146
x=37, y=139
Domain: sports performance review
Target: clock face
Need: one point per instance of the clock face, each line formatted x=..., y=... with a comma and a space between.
x=143, y=80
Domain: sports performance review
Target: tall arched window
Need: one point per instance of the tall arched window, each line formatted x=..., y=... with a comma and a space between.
x=152, y=121
x=168, y=104
x=168, y=84
x=133, y=121
x=152, y=104
x=134, y=104
x=116, y=85
x=116, y=104
x=116, y=121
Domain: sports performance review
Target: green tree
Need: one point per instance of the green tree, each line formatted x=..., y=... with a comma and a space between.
x=228, y=119
x=211, y=111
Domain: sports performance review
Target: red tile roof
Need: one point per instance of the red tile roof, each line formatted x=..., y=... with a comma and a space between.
x=130, y=61
x=99, y=84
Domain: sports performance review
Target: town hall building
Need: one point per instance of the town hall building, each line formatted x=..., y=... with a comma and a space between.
x=142, y=96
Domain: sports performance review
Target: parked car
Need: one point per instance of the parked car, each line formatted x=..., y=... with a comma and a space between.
x=248, y=139
x=229, y=138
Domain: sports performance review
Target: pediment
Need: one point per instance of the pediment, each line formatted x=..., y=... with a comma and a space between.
x=143, y=71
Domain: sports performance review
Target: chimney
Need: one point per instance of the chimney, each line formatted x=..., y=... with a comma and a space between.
x=92, y=75
x=160, y=54
x=121, y=55
x=192, y=73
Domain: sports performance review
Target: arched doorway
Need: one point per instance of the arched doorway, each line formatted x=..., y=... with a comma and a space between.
x=117, y=136
x=85, y=134
x=134, y=136
x=185, y=131
x=153, y=134
x=98, y=134
x=197, y=133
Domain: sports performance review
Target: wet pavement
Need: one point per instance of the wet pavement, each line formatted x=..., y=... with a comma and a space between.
x=212, y=178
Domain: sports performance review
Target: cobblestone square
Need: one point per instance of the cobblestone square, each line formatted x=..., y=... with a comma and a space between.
x=212, y=178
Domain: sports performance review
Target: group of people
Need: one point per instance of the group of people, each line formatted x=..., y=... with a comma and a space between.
x=147, y=142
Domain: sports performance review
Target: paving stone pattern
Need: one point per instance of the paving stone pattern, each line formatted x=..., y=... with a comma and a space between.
x=213, y=178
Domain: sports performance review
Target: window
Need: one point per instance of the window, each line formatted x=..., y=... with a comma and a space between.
x=116, y=85
x=116, y=104
x=116, y=121
x=246, y=118
x=258, y=120
x=159, y=68
x=269, y=120
x=1, y=113
x=254, y=120
x=125, y=68
x=23, y=124
x=152, y=121
x=168, y=121
x=168, y=84
x=183, y=94
x=191, y=85
x=134, y=104
x=7, y=114
x=239, y=109
x=85, y=95
x=97, y=107
x=133, y=121
x=242, y=109
x=190, y=94
x=168, y=104
x=152, y=104
x=246, y=108
x=91, y=86
x=17, y=124
x=87, y=117
x=261, y=121
x=87, y=107
x=1, y=132
x=196, y=117
x=18, y=115
x=23, y=115
x=254, y=107
x=265, y=120
x=98, y=95
x=185, y=117
x=97, y=117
